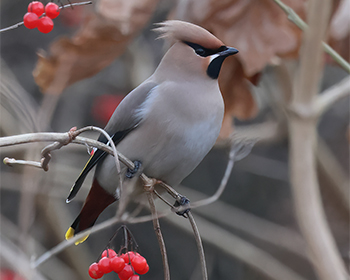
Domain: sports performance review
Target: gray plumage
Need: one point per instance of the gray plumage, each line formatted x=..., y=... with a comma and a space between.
x=171, y=121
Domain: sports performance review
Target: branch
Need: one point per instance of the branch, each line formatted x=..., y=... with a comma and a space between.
x=230, y=218
x=12, y=161
x=307, y=198
x=233, y=246
x=240, y=148
x=331, y=95
x=199, y=243
x=64, y=138
x=293, y=16
x=61, y=7
x=158, y=232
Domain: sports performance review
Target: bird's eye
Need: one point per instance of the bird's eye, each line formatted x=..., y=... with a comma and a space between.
x=200, y=51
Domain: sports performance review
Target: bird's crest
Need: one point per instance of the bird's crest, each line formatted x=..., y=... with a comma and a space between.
x=187, y=32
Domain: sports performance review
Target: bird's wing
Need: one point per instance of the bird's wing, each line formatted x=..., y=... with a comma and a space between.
x=125, y=118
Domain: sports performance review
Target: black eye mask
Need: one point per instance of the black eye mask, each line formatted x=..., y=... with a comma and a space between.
x=214, y=67
x=204, y=52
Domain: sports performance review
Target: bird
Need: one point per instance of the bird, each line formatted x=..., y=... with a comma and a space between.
x=167, y=124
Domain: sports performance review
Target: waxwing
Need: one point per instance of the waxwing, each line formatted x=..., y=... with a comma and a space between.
x=167, y=124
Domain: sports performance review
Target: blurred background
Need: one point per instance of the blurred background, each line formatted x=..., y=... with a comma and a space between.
x=77, y=74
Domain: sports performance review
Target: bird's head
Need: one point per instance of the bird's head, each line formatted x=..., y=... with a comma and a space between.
x=194, y=48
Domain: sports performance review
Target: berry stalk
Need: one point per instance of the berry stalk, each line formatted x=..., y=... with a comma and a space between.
x=61, y=7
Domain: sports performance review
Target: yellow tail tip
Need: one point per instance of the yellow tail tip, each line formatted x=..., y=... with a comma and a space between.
x=70, y=233
x=81, y=240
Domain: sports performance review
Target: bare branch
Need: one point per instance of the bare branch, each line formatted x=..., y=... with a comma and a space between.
x=111, y=142
x=240, y=148
x=259, y=228
x=293, y=16
x=62, y=138
x=240, y=249
x=199, y=243
x=156, y=226
x=12, y=161
x=332, y=95
x=307, y=198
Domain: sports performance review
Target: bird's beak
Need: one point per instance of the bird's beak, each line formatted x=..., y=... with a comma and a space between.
x=224, y=53
x=216, y=61
x=229, y=51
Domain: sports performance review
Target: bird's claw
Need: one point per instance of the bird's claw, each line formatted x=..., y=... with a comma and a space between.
x=183, y=201
x=130, y=173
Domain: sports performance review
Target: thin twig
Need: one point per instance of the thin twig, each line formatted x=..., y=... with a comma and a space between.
x=159, y=235
x=61, y=7
x=199, y=243
x=164, y=200
x=111, y=142
x=240, y=249
x=331, y=95
x=239, y=149
x=293, y=16
x=64, y=139
x=12, y=161
x=60, y=139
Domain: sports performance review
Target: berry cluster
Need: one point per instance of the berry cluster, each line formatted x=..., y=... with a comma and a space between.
x=126, y=265
x=35, y=18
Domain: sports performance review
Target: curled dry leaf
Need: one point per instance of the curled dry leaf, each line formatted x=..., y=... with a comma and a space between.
x=235, y=89
x=103, y=36
x=260, y=30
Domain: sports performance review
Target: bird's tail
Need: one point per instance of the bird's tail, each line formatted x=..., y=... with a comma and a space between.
x=96, y=201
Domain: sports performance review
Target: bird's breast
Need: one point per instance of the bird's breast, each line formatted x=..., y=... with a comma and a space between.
x=179, y=126
x=178, y=131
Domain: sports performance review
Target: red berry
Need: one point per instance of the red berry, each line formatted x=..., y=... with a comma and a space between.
x=52, y=10
x=94, y=271
x=45, y=24
x=128, y=256
x=30, y=20
x=144, y=271
x=117, y=264
x=138, y=263
x=104, y=265
x=111, y=252
x=134, y=277
x=126, y=273
x=36, y=7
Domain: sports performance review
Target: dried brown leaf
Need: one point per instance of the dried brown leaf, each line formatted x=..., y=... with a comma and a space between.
x=261, y=31
x=103, y=36
x=258, y=28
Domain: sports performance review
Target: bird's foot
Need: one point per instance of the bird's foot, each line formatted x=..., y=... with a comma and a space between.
x=130, y=173
x=182, y=201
